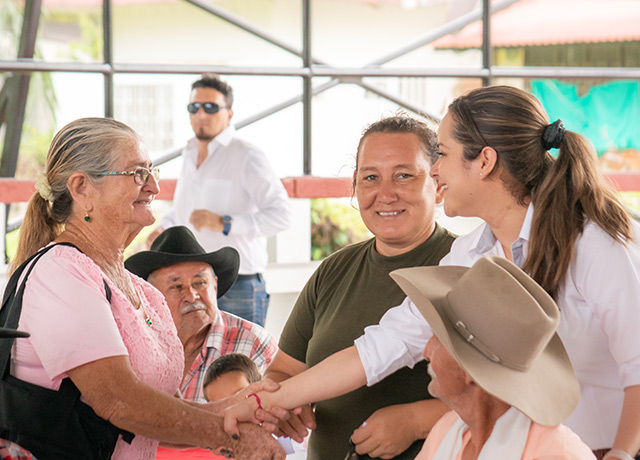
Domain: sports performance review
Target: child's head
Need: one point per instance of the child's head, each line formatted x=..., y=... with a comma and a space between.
x=228, y=374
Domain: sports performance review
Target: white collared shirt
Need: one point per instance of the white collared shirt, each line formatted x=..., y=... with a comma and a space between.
x=599, y=302
x=235, y=179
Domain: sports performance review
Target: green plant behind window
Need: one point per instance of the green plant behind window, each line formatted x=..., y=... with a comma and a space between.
x=335, y=223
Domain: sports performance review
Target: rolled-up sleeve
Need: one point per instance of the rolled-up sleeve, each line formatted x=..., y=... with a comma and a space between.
x=397, y=341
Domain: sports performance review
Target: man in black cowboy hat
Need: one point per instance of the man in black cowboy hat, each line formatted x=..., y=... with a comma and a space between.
x=191, y=281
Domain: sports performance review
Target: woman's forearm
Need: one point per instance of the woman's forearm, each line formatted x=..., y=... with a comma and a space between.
x=118, y=396
x=338, y=374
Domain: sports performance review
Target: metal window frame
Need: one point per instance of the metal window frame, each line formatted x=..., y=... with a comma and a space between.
x=310, y=68
x=24, y=65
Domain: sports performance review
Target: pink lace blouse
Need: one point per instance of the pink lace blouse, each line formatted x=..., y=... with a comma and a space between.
x=71, y=323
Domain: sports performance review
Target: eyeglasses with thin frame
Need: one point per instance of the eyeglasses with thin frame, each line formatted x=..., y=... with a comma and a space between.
x=208, y=107
x=140, y=174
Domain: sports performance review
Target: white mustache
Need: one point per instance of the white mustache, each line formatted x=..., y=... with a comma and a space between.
x=193, y=306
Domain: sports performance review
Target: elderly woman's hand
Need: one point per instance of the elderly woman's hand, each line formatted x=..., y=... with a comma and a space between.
x=242, y=408
x=243, y=411
x=254, y=443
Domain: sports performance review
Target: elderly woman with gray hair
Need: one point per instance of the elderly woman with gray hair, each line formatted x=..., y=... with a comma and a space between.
x=98, y=378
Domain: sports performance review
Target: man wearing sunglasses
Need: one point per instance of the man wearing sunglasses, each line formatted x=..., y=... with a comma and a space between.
x=229, y=195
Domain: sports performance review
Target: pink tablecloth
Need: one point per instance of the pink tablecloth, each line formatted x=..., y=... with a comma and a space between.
x=165, y=453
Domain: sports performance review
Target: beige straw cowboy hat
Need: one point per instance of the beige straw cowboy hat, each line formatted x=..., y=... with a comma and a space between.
x=500, y=326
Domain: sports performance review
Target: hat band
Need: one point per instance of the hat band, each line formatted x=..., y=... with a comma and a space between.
x=476, y=343
x=473, y=341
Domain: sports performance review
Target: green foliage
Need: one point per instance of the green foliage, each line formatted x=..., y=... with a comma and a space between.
x=12, y=244
x=632, y=200
x=334, y=224
x=33, y=151
x=10, y=24
x=90, y=45
x=40, y=115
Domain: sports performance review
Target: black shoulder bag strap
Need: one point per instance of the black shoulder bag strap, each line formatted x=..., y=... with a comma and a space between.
x=53, y=425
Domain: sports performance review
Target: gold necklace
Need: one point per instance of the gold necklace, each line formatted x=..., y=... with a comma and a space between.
x=134, y=295
x=147, y=319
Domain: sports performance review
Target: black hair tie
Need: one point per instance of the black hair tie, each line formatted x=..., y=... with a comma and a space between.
x=553, y=135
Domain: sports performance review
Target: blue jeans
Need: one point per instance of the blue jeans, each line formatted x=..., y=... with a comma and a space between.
x=247, y=299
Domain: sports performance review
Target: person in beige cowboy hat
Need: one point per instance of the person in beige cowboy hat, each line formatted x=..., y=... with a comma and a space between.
x=495, y=358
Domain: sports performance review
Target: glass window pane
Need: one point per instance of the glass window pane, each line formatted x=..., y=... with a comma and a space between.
x=79, y=95
x=70, y=32
x=11, y=17
x=358, y=33
x=39, y=120
x=181, y=33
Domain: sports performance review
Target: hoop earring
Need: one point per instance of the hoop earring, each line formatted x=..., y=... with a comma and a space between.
x=87, y=217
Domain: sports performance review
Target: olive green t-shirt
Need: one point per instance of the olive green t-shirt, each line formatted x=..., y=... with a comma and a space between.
x=349, y=291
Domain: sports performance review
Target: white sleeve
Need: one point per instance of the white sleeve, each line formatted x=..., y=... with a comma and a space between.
x=397, y=341
x=608, y=274
x=272, y=211
x=447, y=260
x=181, y=192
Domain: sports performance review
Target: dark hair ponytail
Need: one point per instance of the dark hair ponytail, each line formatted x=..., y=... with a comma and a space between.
x=573, y=192
x=565, y=192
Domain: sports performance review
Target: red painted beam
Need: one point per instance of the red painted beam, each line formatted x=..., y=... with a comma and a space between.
x=16, y=190
x=20, y=190
x=321, y=187
x=626, y=181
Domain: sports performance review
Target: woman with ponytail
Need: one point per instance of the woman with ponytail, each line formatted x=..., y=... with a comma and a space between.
x=563, y=224
x=98, y=377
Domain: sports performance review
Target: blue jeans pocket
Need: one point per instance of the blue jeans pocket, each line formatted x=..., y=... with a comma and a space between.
x=247, y=299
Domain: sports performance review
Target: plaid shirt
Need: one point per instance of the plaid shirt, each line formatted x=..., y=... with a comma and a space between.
x=228, y=334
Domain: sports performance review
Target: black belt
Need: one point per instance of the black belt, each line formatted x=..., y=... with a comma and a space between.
x=254, y=276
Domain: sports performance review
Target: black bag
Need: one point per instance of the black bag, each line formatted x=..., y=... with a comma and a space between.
x=53, y=425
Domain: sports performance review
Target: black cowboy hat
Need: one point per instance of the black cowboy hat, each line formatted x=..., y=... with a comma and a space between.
x=10, y=333
x=176, y=245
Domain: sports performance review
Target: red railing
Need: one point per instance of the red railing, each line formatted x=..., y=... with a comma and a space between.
x=20, y=190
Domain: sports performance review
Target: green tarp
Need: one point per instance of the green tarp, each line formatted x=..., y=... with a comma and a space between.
x=608, y=114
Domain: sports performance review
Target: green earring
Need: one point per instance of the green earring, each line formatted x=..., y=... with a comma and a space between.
x=87, y=218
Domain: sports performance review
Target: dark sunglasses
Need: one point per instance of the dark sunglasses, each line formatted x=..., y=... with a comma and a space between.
x=209, y=107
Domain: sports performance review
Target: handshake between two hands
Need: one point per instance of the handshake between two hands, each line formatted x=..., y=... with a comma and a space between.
x=385, y=434
x=257, y=404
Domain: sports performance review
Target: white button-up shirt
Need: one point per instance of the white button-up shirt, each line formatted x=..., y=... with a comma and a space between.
x=599, y=302
x=235, y=179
